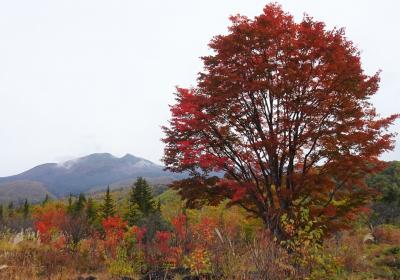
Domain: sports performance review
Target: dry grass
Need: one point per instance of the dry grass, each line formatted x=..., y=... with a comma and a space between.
x=232, y=258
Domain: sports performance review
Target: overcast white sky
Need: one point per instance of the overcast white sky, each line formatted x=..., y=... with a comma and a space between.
x=80, y=76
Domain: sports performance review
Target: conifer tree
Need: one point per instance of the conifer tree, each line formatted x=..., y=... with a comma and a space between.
x=107, y=208
x=158, y=208
x=133, y=215
x=79, y=204
x=10, y=209
x=70, y=206
x=143, y=197
x=25, y=209
x=46, y=199
x=90, y=210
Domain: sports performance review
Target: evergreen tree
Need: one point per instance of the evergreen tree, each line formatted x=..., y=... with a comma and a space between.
x=70, y=206
x=46, y=199
x=143, y=197
x=10, y=210
x=133, y=215
x=158, y=206
x=79, y=204
x=91, y=211
x=107, y=208
x=25, y=209
x=140, y=202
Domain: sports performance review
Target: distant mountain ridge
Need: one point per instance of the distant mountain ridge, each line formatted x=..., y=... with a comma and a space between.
x=83, y=174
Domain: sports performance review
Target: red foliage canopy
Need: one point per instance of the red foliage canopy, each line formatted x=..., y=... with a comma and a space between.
x=283, y=110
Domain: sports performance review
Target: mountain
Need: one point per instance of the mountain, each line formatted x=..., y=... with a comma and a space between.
x=17, y=191
x=89, y=173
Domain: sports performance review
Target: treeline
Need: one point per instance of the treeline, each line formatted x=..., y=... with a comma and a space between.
x=84, y=215
x=140, y=207
x=15, y=216
x=386, y=207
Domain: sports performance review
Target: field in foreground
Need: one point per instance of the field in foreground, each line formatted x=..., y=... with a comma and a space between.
x=61, y=240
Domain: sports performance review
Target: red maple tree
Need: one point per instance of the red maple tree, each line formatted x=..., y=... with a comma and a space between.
x=283, y=110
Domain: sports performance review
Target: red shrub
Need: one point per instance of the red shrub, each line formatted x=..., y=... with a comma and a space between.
x=138, y=234
x=180, y=226
x=114, y=228
x=204, y=231
x=162, y=242
x=48, y=221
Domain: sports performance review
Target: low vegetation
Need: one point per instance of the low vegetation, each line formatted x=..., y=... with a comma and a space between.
x=146, y=237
